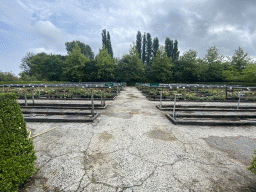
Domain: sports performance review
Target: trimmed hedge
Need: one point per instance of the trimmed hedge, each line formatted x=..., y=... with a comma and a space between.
x=252, y=168
x=17, y=155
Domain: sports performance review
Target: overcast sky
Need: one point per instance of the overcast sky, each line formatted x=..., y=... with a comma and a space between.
x=45, y=25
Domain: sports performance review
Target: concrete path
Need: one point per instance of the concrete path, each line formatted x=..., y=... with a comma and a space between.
x=132, y=146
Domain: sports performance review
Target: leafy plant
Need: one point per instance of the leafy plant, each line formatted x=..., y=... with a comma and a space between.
x=16, y=150
x=107, y=95
x=252, y=168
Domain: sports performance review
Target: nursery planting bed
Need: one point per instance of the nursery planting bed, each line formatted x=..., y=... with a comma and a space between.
x=62, y=106
x=60, y=118
x=57, y=111
x=198, y=93
x=225, y=119
x=206, y=108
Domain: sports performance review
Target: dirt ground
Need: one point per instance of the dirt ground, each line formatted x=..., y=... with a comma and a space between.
x=132, y=146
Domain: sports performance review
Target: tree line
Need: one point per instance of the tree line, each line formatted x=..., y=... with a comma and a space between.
x=147, y=61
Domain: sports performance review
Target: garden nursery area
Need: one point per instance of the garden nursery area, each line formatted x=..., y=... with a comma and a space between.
x=107, y=136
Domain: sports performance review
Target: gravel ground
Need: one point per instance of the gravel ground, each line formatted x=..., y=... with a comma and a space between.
x=132, y=146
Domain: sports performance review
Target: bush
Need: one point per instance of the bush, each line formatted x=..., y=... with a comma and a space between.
x=8, y=76
x=252, y=168
x=16, y=150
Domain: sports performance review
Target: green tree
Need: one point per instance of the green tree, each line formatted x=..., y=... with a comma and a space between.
x=175, y=53
x=74, y=65
x=109, y=46
x=169, y=47
x=240, y=59
x=46, y=67
x=215, y=67
x=144, y=48
x=155, y=46
x=249, y=73
x=105, y=65
x=239, y=62
x=107, y=42
x=85, y=49
x=104, y=38
x=90, y=71
x=38, y=66
x=201, y=70
x=161, y=67
x=8, y=76
x=139, y=43
x=149, y=50
x=26, y=64
x=185, y=68
x=130, y=67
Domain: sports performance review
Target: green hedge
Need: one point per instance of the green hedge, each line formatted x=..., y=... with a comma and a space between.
x=16, y=150
x=252, y=168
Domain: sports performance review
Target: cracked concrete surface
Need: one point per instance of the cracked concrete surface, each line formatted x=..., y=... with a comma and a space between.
x=142, y=151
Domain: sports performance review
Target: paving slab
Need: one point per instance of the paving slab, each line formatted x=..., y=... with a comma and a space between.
x=132, y=146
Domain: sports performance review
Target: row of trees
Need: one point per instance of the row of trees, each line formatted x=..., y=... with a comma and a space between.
x=146, y=61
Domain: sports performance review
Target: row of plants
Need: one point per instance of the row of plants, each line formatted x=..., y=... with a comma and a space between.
x=60, y=92
x=198, y=94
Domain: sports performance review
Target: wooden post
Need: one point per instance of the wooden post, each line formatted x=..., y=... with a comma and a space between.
x=33, y=99
x=101, y=99
x=226, y=93
x=39, y=92
x=3, y=89
x=104, y=96
x=92, y=112
x=25, y=97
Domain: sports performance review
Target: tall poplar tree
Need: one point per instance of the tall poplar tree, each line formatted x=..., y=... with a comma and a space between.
x=144, y=48
x=109, y=46
x=169, y=47
x=149, y=49
x=138, y=43
x=104, y=38
x=176, y=53
x=155, y=46
x=106, y=42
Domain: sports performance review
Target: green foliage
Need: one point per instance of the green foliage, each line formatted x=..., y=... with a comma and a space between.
x=185, y=70
x=240, y=59
x=106, y=42
x=143, y=56
x=26, y=64
x=169, y=47
x=74, y=65
x=249, y=73
x=8, y=76
x=16, y=150
x=105, y=65
x=130, y=67
x=161, y=68
x=139, y=43
x=215, y=67
x=25, y=77
x=176, y=53
x=231, y=73
x=85, y=49
x=155, y=46
x=149, y=50
x=252, y=168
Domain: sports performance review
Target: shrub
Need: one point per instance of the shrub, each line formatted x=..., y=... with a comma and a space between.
x=107, y=95
x=16, y=150
x=252, y=168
